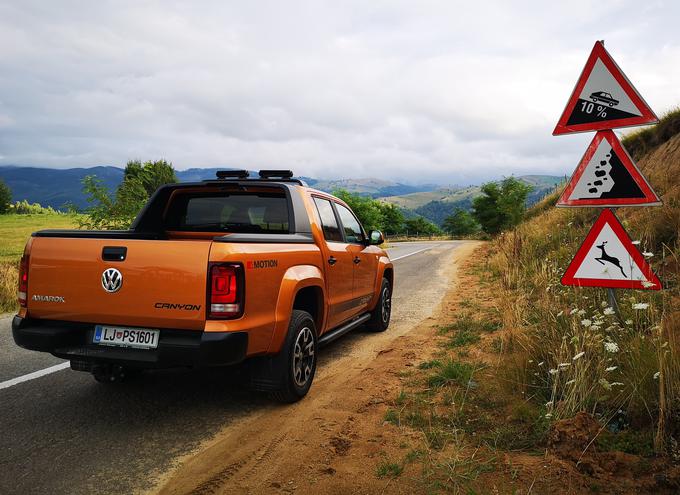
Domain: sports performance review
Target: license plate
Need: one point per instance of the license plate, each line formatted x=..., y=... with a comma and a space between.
x=138, y=338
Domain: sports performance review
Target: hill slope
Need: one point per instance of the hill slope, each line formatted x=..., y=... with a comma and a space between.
x=439, y=203
x=573, y=350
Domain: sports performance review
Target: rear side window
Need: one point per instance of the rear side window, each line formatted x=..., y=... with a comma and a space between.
x=331, y=231
x=353, y=231
x=229, y=212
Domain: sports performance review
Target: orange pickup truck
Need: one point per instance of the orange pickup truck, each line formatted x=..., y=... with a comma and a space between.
x=263, y=270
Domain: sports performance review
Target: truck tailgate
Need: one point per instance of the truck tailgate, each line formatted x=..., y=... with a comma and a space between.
x=163, y=282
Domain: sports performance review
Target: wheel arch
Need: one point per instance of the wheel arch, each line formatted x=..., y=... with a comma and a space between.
x=302, y=287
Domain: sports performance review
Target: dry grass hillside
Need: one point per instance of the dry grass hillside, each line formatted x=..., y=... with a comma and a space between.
x=565, y=346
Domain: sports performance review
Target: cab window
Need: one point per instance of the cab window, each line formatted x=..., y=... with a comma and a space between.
x=329, y=223
x=353, y=231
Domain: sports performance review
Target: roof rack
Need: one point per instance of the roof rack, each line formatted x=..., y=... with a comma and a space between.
x=276, y=174
x=228, y=174
x=264, y=175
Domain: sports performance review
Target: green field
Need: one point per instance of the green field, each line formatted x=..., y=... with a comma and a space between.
x=14, y=232
x=16, y=229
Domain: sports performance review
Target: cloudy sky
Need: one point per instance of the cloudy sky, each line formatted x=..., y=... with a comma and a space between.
x=421, y=91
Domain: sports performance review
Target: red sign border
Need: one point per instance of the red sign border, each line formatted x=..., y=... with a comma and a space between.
x=599, y=52
x=607, y=217
x=650, y=199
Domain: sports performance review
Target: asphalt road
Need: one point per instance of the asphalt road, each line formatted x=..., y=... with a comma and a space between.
x=63, y=433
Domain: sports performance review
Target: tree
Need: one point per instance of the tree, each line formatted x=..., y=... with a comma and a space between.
x=117, y=211
x=392, y=218
x=501, y=206
x=461, y=223
x=5, y=197
x=366, y=209
x=419, y=225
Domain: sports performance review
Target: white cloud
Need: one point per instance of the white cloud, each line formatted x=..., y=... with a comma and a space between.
x=432, y=90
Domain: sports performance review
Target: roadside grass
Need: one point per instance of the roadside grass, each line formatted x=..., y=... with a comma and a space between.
x=389, y=469
x=443, y=399
x=451, y=372
x=15, y=230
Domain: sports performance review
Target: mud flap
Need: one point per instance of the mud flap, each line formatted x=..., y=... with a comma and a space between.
x=265, y=373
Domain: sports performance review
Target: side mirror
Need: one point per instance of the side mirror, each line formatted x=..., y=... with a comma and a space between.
x=375, y=238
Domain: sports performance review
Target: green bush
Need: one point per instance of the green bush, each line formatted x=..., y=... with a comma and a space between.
x=26, y=208
x=501, y=206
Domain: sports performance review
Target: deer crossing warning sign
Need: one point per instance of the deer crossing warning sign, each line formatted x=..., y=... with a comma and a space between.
x=608, y=258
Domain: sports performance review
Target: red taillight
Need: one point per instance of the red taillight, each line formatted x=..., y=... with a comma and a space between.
x=225, y=293
x=23, y=281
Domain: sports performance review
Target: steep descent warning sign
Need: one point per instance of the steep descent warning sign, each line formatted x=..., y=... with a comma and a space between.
x=607, y=176
x=608, y=258
x=603, y=98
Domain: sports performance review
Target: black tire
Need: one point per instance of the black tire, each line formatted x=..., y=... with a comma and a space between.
x=381, y=314
x=296, y=363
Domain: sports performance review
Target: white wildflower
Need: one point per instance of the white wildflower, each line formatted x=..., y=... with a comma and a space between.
x=612, y=347
x=578, y=356
x=549, y=415
x=559, y=314
x=611, y=368
x=586, y=322
x=657, y=375
x=640, y=305
x=617, y=384
x=541, y=363
x=637, y=243
x=553, y=371
x=628, y=322
x=609, y=311
x=573, y=311
x=647, y=254
x=563, y=365
x=581, y=312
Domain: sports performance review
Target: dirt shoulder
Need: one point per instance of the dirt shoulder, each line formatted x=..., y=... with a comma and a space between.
x=331, y=442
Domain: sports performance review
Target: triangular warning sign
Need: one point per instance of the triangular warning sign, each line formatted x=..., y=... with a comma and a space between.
x=608, y=258
x=603, y=98
x=607, y=176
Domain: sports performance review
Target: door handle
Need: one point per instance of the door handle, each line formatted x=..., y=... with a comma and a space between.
x=357, y=260
x=332, y=260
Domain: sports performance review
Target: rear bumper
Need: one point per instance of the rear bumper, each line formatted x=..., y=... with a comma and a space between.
x=73, y=341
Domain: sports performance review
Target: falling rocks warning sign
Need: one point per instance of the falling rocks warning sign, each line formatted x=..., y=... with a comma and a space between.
x=603, y=98
x=607, y=176
x=608, y=258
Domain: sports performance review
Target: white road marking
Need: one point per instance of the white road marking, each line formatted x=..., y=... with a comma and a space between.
x=34, y=375
x=411, y=254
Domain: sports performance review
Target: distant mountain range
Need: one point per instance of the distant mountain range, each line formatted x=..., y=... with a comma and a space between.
x=59, y=187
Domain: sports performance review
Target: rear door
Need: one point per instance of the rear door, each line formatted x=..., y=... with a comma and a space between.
x=158, y=284
x=364, y=260
x=339, y=265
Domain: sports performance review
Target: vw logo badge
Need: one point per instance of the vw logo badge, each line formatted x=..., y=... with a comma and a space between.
x=112, y=280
